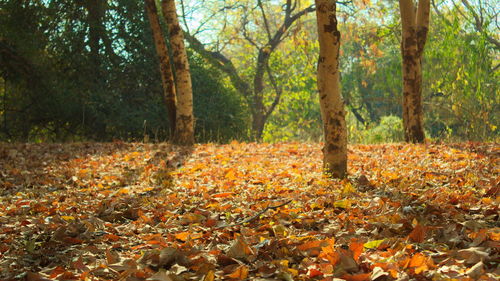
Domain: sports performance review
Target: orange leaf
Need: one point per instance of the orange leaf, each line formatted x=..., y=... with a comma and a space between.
x=357, y=277
x=419, y=261
x=222, y=195
x=329, y=253
x=57, y=271
x=184, y=236
x=356, y=248
x=240, y=273
x=309, y=245
x=231, y=175
x=313, y=272
x=495, y=236
x=112, y=237
x=418, y=234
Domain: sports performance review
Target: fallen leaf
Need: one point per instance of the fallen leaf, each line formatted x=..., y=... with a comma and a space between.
x=240, y=273
x=418, y=234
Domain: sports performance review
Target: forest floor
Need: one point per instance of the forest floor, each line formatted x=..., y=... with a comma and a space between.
x=246, y=211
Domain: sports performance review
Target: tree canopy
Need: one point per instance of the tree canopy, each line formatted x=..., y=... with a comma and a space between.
x=84, y=70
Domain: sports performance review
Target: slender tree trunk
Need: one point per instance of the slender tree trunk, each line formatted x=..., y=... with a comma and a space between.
x=96, y=11
x=167, y=77
x=415, y=25
x=332, y=106
x=184, y=129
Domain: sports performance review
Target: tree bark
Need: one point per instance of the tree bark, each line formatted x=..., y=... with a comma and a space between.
x=415, y=26
x=332, y=106
x=167, y=77
x=184, y=129
x=96, y=12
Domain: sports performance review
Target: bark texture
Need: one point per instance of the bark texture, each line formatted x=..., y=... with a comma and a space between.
x=184, y=128
x=332, y=106
x=415, y=26
x=167, y=77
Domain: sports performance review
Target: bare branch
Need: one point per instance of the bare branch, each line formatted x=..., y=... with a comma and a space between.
x=436, y=10
x=264, y=17
x=256, y=216
x=184, y=21
x=245, y=32
x=218, y=60
x=478, y=23
x=274, y=42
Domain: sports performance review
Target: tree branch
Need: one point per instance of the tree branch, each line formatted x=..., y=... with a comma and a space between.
x=222, y=63
x=278, y=91
x=245, y=32
x=264, y=17
x=479, y=24
x=256, y=216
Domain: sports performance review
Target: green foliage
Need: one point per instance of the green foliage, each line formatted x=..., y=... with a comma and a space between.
x=462, y=82
x=219, y=111
x=54, y=88
x=298, y=116
x=390, y=129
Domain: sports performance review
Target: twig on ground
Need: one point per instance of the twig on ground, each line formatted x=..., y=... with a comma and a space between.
x=256, y=215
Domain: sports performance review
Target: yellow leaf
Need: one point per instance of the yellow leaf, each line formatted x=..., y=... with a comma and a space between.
x=348, y=188
x=68, y=218
x=294, y=272
x=344, y=204
x=231, y=175
x=373, y=244
x=210, y=276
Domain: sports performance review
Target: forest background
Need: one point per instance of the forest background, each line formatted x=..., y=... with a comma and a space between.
x=87, y=70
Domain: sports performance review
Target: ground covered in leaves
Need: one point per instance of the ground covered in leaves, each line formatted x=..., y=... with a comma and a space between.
x=241, y=211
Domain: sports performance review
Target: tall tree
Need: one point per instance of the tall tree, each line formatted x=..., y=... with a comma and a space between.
x=184, y=128
x=332, y=106
x=167, y=77
x=415, y=26
x=263, y=31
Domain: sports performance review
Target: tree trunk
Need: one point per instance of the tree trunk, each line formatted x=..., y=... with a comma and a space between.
x=184, y=129
x=332, y=106
x=96, y=11
x=167, y=78
x=258, y=123
x=414, y=35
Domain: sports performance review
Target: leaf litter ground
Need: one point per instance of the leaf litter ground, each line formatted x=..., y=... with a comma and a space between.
x=246, y=211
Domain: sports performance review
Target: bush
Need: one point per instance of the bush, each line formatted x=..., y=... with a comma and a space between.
x=390, y=129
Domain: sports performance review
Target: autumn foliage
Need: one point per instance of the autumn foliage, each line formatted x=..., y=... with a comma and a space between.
x=248, y=212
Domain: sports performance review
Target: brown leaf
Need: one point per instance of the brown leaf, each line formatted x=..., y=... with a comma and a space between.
x=476, y=271
x=418, y=234
x=240, y=249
